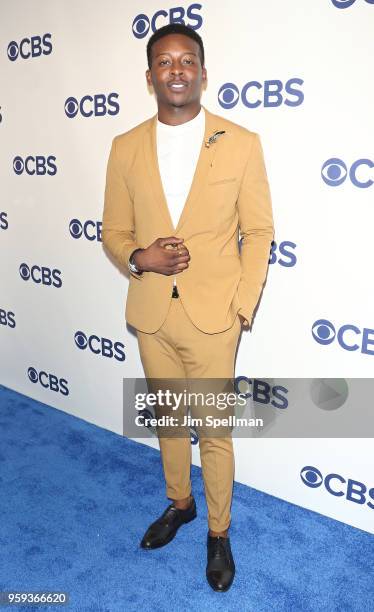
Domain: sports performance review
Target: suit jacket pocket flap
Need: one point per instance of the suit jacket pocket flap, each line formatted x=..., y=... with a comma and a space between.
x=220, y=181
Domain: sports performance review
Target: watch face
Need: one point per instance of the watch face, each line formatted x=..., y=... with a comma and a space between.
x=133, y=268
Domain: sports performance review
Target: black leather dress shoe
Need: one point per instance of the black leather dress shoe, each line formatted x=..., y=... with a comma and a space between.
x=220, y=570
x=163, y=530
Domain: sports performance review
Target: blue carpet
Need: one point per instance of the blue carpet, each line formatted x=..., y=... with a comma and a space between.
x=76, y=499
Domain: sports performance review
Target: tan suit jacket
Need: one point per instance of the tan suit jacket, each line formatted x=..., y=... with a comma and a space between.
x=229, y=191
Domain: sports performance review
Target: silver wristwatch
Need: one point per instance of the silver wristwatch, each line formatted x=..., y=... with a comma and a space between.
x=132, y=266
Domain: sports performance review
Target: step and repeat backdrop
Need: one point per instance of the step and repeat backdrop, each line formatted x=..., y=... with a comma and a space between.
x=298, y=73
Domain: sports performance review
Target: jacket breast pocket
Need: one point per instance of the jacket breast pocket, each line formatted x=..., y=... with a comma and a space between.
x=222, y=181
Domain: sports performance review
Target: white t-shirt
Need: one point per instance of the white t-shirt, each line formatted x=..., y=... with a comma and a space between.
x=178, y=148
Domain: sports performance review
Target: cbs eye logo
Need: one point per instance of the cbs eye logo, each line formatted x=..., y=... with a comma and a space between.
x=30, y=47
x=337, y=485
x=349, y=336
x=323, y=331
x=342, y=4
x=334, y=172
x=41, y=275
x=91, y=230
x=272, y=93
x=100, y=346
x=38, y=165
x=311, y=477
x=48, y=381
x=142, y=23
x=98, y=105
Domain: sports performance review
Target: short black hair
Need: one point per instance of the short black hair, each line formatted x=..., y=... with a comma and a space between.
x=175, y=28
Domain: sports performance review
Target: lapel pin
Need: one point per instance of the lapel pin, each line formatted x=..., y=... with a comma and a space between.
x=212, y=139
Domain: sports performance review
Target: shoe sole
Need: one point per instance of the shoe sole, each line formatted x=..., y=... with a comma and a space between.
x=171, y=537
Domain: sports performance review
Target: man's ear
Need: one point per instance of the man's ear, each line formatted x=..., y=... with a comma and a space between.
x=148, y=76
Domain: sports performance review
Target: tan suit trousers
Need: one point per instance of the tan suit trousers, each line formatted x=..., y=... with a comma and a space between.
x=180, y=351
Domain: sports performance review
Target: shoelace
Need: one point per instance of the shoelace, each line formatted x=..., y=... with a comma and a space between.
x=169, y=514
x=170, y=511
x=219, y=549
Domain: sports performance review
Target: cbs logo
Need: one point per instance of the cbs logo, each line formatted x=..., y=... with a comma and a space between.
x=334, y=172
x=48, y=381
x=100, y=346
x=38, y=165
x=335, y=484
x=91, y=230
x=261, y=391
x=253, y=94
x=141, y=23
x=4, y=223
x=41, y=274
x=88, y=106
x=342, y=4
x=283, y=254
x=324, y=332
x=30, y=47
x=7, y=318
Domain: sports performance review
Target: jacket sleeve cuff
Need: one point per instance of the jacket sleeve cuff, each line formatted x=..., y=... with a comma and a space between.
x=247, y=316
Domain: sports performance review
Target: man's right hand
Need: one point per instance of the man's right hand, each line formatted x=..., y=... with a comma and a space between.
x=158, y=258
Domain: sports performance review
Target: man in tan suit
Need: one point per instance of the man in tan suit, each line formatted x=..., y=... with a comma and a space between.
x=179, y=187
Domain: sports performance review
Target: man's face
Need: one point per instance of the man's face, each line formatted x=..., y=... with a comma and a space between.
x=176, y=72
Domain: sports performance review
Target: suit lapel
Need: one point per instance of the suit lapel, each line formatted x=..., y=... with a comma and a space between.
x=204, y=163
